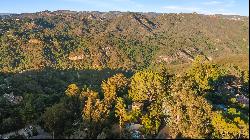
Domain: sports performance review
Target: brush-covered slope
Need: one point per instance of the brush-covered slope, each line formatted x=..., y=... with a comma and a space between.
x=67, y=39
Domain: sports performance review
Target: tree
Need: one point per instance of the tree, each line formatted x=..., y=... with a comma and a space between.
x=56, y=118
x=204, y=74
x=113, y=86
x=74, y=99
x=187, y=113
x=28, y=110
x=95, y=113
x=120, y=111
x=89, y=105
x=146, y=86
x=225, y=128
x=72, y=90
x=148, y=124
x=28, y=113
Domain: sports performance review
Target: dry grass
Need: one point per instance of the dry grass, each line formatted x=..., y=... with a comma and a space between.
x=241, y=60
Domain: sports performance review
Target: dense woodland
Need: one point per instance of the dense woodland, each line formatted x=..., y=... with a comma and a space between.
x=80, y=74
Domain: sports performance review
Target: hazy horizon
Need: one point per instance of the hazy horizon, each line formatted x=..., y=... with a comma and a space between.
x=125, y=11
x=207, y=7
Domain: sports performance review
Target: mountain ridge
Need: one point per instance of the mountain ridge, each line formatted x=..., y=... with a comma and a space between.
x=128, y=40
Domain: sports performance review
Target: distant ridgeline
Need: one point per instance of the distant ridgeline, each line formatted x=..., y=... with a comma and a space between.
x=67, y=39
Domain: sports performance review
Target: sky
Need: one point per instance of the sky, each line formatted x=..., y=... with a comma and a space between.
x=227, y=7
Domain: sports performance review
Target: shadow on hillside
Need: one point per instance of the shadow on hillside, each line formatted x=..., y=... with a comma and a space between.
x=52, y=81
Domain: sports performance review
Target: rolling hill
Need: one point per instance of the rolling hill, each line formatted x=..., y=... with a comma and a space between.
x=66, y=39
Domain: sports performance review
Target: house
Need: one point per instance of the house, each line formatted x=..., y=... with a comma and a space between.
x=29, y=132
x=13, y=99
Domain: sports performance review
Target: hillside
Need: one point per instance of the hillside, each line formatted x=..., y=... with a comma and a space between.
x=67, y=39
x=113, y=75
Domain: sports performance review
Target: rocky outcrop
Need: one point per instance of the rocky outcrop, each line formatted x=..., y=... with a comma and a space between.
x=76, y=57
x=242, y=99
x=147, y=24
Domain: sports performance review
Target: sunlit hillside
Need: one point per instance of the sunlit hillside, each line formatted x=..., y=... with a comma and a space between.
x=130, y=75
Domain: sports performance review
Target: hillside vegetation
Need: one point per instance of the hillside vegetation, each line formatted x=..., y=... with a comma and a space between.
x=94, y=75
x=66, y=39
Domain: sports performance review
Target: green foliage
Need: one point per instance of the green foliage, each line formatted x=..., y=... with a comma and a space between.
x=188, y=114
x=146, y=86
x=72, y=90
x=95, y=113
x=120, y=111
x=233, y=100
x=57, y=119
x=130, y=41
x=229, y=129
x=113, y=86
x=76, y=67
x=233, y=111
x=147, y=124
x=10, y=117
x=28, y=113
x=151, y=123
x=204, y=74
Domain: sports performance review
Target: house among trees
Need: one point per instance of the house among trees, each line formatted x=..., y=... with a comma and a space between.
x=13, y=99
